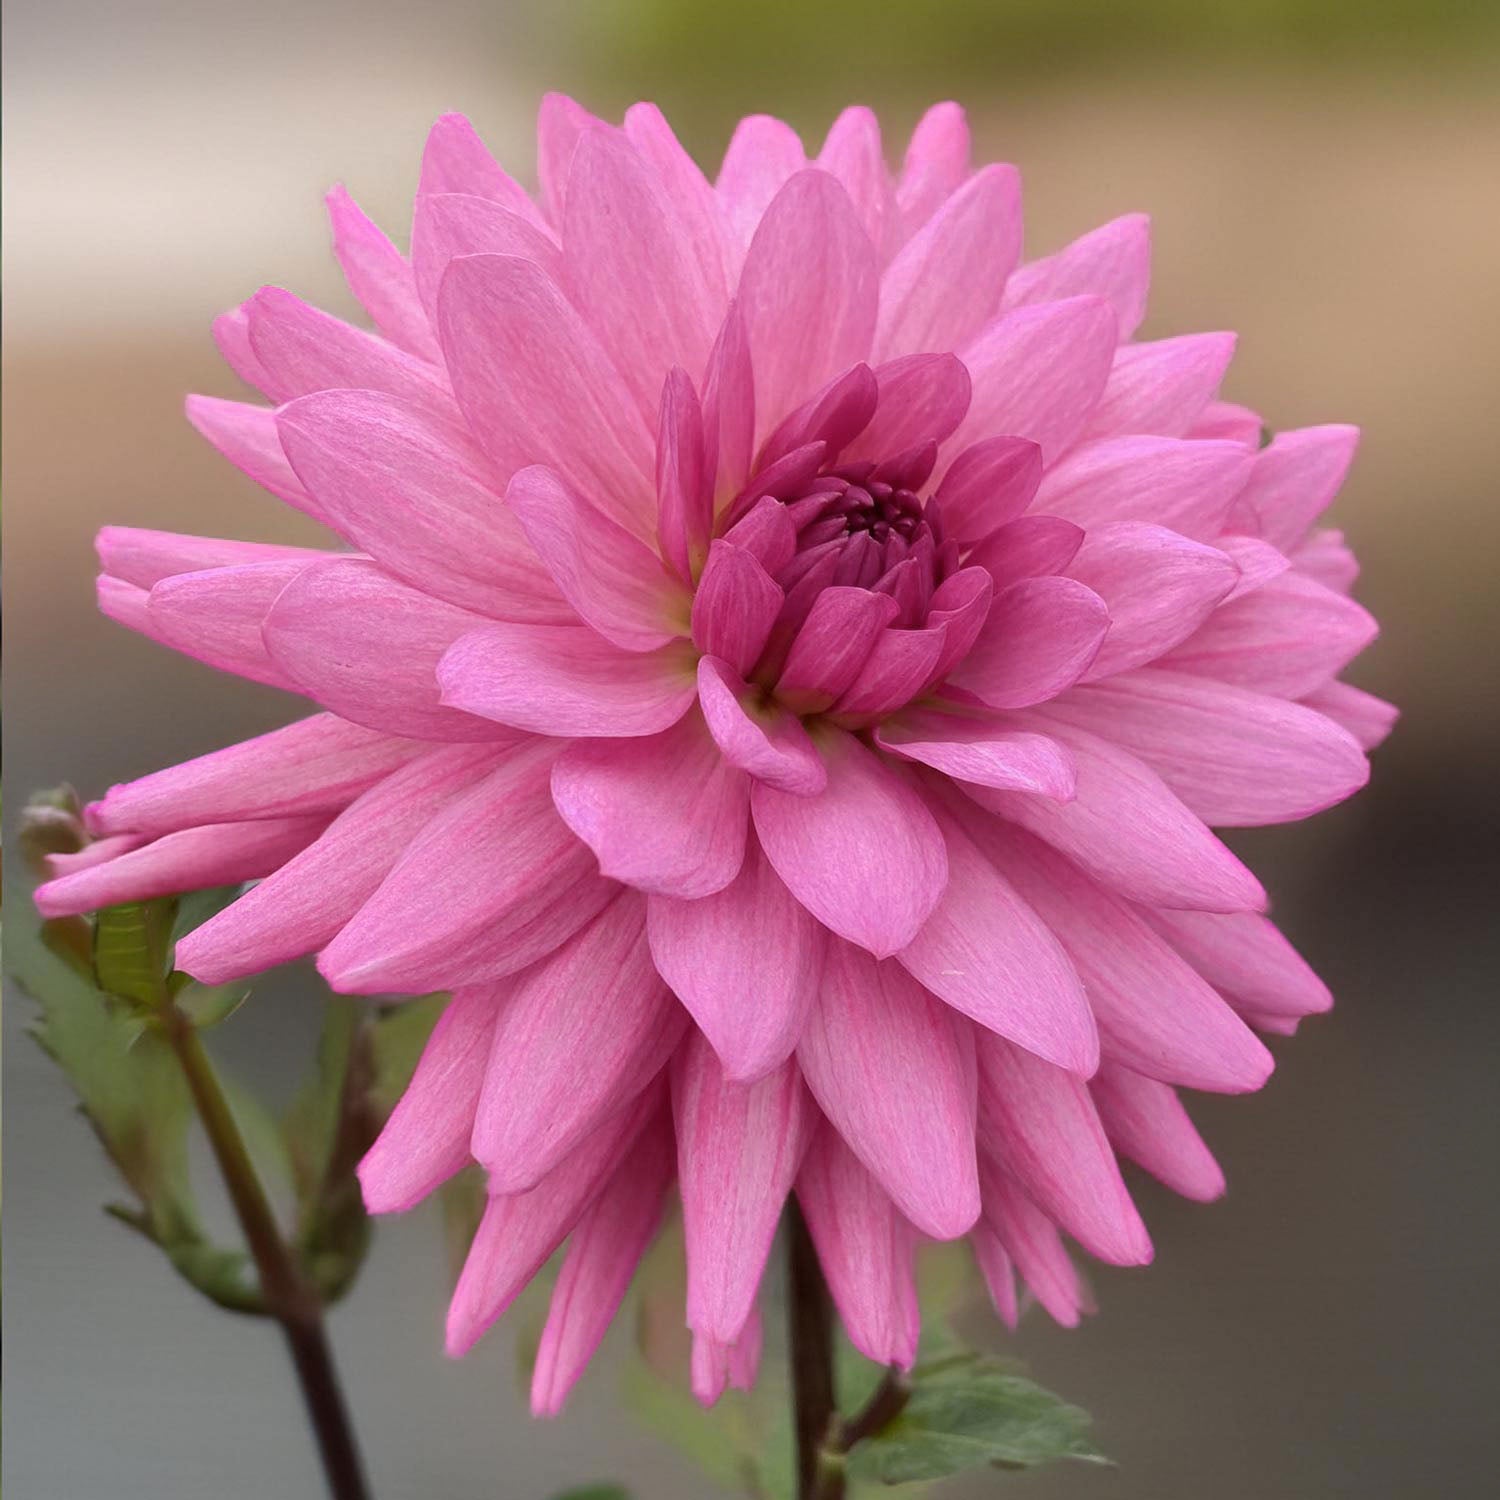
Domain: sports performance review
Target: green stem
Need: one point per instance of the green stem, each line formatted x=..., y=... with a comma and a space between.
x=288, y=1296
x=820, y=1471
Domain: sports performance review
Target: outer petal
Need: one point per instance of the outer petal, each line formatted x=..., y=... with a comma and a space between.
x=1031, y=1241
x=301, y=906
x=973, y=749
x=1128, y=829
x=1294, y=481
x=493, y=861
x=809, y=291
x=605, y=1248
x=866, y=1250
x=1188, y=486
x=583, y=1034
x=614, y=582
x=1368, y=718
x=751, y=938
x=566, y=680
x=455, y=161
x=1235, y=758
x=379, y=276
x=537, y=386
x=986, y=953
x=415, y=493
x=662, y=812
x=885, y=1063
x=426, y=1139
x=1147, y=1123
x=448, y=225
x=367, y=647
x=1039, y=1122
x=946, y=282
x=1038, y=372
x=1163, y=386
x=1039, y=638
x=145, y=558
x=215, y=854
x=937, y=162
x=1113, y=262
x=763, y=153
x=1155, y=1013
x=246, y=436
x=864, y=856
x=1159, y=588
x=852, y=153
x=739, y=1146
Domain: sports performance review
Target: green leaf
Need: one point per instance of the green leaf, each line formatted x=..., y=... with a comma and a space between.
x=131, y=944
x=596, y=1492
x=967, y=1411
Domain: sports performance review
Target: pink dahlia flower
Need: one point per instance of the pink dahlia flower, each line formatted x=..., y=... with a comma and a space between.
x=792, y=657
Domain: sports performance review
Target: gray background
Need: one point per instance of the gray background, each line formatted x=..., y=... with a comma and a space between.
x=1328, y=1329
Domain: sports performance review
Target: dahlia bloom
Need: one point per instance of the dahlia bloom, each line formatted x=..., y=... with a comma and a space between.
x=791, y=659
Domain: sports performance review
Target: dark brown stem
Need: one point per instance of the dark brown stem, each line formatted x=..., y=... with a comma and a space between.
x=820, y=1475
x=884, y=1406
x=288, y=1296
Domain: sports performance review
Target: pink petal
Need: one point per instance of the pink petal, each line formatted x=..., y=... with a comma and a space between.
x=1287, y=638
x=883, y=1059
x=1164, y=386
x=739, y=1146
x=831, y=646
x=615, y=583
x=684, y=483
x=1368, y=718
x=998, y=1271
x=1155, y=1013
x=537, y=387
x=864, y=855
x=1159, y=588
x=455, y=161
x=981, y=751
x=736, y=605
x=729, y=406
x=1225, y=419
x=987, y=485
x=900, y=664
x=1113, y=262
x=986, y=953
x=1039, y=638
x=936, y=164
x=1246, y=959
x=761, y=738
x=316, y=765
x=1236, y=758
x=1147, y=1123
x=1188, y=486
x=1038, y=373
x=852, y=153
x=865, y=1248
x=1028, y=547
x=809, y=291
x=960, y=605
x=946, y=282
x=1259, y=562
x=217, y=616
x=1294, y=481
x=1128, y=829
x=560, y=125
x=380, y=277
x=144, y=558
x=1033, y=1244
x=1039, y=1122
x=1324, y=556
x=446, y=226
x=195, y=859
x=426, y=1139
x=490, y=862
x=415, y=494
x=231, y=334
x=367, y=647
x=834, y=415
x=566, y=680
x=584, y=1032
x=716, y=1365
x=302, y=349
x=663, y=812
x=762, y=154
x=652, y=295
x=520, y=1231
x=603, y=1252
x=302, y=906
x=751, y=938
x=922, y=399
x=246, y=436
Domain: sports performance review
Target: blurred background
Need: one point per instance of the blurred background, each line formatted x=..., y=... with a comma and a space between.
x=1322, y=178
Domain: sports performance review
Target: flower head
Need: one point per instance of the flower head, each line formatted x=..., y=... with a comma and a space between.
x=791, y=661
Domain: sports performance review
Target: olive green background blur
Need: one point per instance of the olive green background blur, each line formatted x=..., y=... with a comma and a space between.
x=1322, y=178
